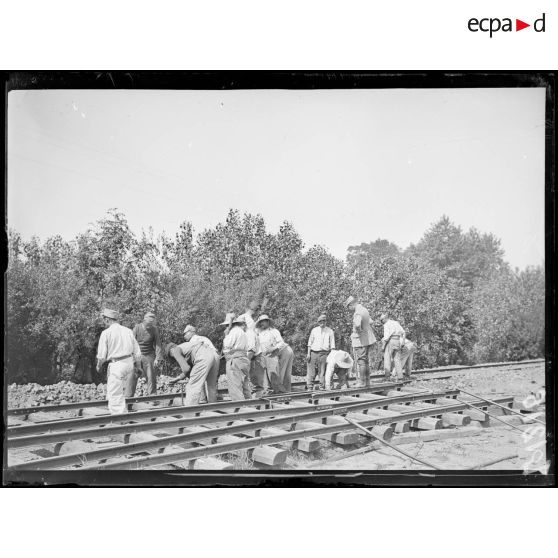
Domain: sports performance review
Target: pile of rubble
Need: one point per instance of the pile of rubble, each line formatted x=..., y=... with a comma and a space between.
x=32, y=395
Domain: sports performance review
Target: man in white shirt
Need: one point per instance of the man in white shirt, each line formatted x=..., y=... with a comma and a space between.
x=339, y=362
x=320, y=343
x=392, y=341
x=119, y=347
x=257, y=371
x=198, y=356
x=277, y=356
x=235, y=350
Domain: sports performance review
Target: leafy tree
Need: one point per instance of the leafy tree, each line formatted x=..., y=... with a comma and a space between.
x=368, y=251
x=508, y=310
x=466, y=257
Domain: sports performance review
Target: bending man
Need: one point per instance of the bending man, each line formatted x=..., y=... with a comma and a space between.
x=339, y=362
x=198, y=356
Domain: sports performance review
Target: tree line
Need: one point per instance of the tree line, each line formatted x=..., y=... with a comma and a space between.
x=452, y=291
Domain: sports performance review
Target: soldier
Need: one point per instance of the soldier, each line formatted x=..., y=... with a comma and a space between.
x=235, y=350
x=198, y=356
x=118, y=347
x=392, y=341
x=362, y=339
x=257, y=370
x=149, y=340
x=277, y=356
x=320, y=343
x=339, y=362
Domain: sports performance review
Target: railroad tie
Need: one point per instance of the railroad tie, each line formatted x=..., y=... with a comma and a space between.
x=209, y=462
x=264, y=455
x=473, y=414
x=398, y=426
x=423, y=423
x=341, y=438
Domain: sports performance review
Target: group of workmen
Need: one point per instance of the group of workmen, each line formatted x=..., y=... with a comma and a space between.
x=257, y=359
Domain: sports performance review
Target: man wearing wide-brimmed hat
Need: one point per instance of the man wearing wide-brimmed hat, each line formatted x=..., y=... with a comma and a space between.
x=339, y=362
x=149, y=340
x=362, y=339
x=392, y=341
x=197, y=356
x=235, y=351
x=118, y=347
x=277, y=356
x=320, y=343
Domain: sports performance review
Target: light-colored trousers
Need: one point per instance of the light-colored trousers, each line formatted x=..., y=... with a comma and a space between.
x=238, y=384
x=205, y=362
x=407, y=359
x=118, y=374
x=209, y=392
x=392, y=355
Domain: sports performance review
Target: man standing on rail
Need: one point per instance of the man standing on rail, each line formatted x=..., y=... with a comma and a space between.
x=149, y=340
x=320, y=343
x=118, y=347
x=339, y=362
x=392, y=341
x=277, y=356
x=235, y=351
x=198, y=356
x=362, y=339
x=257, y=371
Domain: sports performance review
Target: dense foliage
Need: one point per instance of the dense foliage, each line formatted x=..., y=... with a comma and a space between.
x=452, y=292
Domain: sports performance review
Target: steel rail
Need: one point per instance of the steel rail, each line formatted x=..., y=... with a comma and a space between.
x=213, y=433
x=474, y=366
x=147, y=398
x=46, y=426
x=24, y=440
x=220, y=448
x=172, y=396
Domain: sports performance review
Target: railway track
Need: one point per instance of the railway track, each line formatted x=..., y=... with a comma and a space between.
x=206, y=436
x=215, y=436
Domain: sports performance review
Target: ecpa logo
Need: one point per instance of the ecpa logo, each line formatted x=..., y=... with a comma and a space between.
x=492, y=25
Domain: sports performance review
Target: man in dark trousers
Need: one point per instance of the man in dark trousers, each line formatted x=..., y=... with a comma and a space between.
x=149, y=341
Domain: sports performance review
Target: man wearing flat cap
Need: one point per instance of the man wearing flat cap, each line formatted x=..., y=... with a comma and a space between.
x=235, y=351
x=362, y=339
x=320, y=343
x=118, y=347
x=149, y=340
x=198, y=357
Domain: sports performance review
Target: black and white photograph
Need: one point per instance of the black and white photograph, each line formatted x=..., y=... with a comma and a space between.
x=334, y=278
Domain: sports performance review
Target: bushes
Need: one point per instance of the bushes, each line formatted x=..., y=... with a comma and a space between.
x=437, y=289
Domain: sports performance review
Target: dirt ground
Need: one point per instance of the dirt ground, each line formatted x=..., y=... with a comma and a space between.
x=483, y=445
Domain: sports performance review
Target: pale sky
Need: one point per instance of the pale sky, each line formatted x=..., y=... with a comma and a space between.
x=344, y=166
